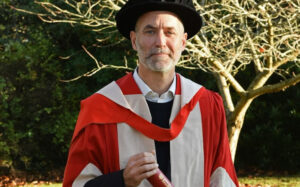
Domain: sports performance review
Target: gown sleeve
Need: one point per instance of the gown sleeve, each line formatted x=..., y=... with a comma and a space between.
x=220, y=171
x=93, y=153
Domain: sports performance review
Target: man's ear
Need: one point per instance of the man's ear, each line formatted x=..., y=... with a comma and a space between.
x=184, y=39
x=133, y=39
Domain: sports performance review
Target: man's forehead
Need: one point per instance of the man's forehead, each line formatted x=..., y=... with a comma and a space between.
x=153, y=18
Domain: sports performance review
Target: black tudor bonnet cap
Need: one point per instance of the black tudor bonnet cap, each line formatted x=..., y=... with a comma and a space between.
x=128, y=15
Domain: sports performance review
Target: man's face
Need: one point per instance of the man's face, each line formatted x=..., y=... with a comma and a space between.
x=159, y=40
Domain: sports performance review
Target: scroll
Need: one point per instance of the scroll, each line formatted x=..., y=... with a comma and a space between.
x=160, y=180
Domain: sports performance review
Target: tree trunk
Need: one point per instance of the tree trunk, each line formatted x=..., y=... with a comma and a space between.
x=235, y=123
x=233, y=134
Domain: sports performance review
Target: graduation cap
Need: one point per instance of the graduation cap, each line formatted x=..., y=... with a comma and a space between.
x=128, y=15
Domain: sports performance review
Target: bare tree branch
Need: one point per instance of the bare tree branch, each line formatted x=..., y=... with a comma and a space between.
x=27, y=11
x=289, y=58
x=225, y=93
x=220, y=69
x=274, y=88
x=100, y=66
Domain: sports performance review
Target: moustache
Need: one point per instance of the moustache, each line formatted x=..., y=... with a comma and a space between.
x=156, y=51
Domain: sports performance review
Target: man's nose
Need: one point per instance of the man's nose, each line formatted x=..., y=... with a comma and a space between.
x=160, y=39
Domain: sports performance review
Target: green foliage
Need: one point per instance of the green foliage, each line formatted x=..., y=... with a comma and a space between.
x=38, y=111
x=270, y=139
x=32, y=98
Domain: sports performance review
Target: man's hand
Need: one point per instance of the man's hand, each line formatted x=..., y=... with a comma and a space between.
x=139, y=167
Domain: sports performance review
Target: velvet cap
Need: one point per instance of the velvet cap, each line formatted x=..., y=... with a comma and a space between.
x=128, y=15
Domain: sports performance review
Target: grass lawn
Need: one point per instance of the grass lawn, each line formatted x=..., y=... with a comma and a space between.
x=44, y=185
x=293, y=181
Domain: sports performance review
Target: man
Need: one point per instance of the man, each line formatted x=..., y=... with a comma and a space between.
x=152, y=118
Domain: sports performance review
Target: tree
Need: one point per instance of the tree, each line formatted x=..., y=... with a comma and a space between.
x=32, y=105
x=237, y=35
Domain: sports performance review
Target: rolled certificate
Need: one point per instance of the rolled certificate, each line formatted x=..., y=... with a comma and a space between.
x=160, y=180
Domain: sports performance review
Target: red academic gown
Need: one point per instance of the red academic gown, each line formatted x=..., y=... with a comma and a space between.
x=115, y=123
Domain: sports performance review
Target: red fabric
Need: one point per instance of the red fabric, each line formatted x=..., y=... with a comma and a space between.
x=128, y=85
x=94, y=112
x=98, y=144
x=159, y=180
x=99, y=109
x=178, y=85
x=215, y=138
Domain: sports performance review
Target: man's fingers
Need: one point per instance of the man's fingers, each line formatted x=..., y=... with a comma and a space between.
x=139, y=167
x=147, y=167
x=148, y=174
x=141, y=155
x=137, y=171
x=141, y=159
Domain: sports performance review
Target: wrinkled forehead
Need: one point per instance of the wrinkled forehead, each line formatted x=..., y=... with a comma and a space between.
x=159, y=19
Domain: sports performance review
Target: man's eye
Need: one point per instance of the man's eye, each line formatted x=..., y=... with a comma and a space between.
x=149, y=31
x=170, y=32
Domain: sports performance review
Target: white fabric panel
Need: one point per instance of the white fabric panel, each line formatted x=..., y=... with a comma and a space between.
x=186, y=149
x=89, y=172
x=138, y=105
x=175, y=108
x=220, y=178
x=131, y=141
x=188, y=90
x=187, y=156
x=114, y=93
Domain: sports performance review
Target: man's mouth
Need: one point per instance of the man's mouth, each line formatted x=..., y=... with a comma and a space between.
x=159, y=52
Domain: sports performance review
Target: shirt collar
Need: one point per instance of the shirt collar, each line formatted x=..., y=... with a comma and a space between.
x=151, y=95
